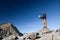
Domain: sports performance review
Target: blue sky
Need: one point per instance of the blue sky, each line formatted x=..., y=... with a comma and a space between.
x=24, y=14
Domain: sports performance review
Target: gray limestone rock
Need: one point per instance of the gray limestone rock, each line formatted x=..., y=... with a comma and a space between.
x=7, y=29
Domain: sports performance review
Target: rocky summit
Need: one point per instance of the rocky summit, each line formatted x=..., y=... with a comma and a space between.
x=10, y=32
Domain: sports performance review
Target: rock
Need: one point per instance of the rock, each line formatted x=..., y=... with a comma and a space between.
x=10, y=32
x=7, y=29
